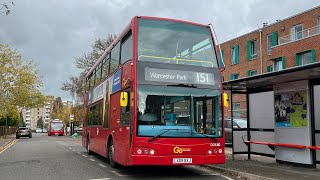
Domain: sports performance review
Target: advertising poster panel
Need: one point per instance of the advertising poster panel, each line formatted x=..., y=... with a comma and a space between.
x=291, y=109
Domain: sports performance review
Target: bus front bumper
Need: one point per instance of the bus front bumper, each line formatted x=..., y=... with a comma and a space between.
x=177, y=160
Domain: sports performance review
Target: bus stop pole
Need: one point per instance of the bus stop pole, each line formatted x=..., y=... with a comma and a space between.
x=231, y=109
x=248, y=124
x=312, y=123
x=71, y=128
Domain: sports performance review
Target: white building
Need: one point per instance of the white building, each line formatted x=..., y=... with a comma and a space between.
x=31, y=116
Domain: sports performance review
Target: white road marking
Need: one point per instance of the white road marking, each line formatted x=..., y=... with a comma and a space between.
x=78, y=152
x=73, y=150
x=212, y=174
x=102, y=165
x=118, y=174
x=92, y=159
x=84, y=155
x=100, y=179
x=70, y=148
x=207, y=172
x=226, y=177
x=8, y=145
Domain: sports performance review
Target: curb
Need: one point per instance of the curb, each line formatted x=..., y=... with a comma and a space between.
x=239, y=173
x=8, y=135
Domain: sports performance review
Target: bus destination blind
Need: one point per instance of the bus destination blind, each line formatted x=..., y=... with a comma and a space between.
x=178, y=76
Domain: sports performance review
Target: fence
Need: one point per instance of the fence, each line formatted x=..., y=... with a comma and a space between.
x=11, y=130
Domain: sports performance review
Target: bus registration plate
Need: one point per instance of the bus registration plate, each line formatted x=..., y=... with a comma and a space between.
x=182, y=160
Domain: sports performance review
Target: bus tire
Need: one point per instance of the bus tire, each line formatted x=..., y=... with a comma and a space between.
x=107, y=154
x=88, y=147
x=113, y=164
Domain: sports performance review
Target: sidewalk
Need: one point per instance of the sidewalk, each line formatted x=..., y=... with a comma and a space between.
x=77, y=139
x=260, y=167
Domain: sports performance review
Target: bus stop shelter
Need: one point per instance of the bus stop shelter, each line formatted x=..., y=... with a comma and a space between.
x=283, y=115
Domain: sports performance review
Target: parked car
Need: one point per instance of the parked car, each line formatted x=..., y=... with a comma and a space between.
x=44, y=130
x=38, y=130
x=237, y=123
x=23, y=132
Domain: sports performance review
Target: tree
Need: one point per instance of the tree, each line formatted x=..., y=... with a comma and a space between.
x=78, y=113
x=57, y=109
x=75, y=86
x=4, y=7
x=23, y=124
x=19, y=82
x=12, y=118
x=75, y=83
x=65, y=113
x=40, y=123
x=45, y=126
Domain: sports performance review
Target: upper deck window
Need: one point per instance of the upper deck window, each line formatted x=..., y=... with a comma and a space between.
x=176, y=43
x=115, y=54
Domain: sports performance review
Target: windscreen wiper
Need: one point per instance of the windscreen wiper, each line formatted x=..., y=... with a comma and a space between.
x=156, y=136
x=205, y=135
x=183, y=85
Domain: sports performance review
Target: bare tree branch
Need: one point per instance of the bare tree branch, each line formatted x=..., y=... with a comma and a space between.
x=74, y=85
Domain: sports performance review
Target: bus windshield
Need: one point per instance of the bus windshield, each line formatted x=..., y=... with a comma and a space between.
x=176, y=43
x=56, y=126
x=179, y=112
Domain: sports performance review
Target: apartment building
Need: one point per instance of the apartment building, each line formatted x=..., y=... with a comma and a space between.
x=286, y=43
x=48, y=109
x=68, y=104
x=31, y=116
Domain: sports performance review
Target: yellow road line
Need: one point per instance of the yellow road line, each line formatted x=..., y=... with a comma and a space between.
x=8, y=145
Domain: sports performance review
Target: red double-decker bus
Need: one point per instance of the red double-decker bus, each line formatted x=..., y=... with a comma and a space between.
x=155, y=96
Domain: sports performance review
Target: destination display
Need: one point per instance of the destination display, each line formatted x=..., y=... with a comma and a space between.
x=179, y=76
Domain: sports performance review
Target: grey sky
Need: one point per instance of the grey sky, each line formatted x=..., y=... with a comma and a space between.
x=53, y=32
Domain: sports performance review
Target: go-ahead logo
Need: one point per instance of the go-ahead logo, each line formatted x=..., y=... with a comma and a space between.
x=178, y=150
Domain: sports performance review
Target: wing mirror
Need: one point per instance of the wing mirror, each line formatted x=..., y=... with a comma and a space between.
x=124, y=99
x=225, y=100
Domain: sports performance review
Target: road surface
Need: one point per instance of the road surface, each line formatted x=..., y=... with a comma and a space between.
x=44, y=157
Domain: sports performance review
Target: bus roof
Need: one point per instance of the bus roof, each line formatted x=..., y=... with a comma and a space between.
x=114, y=43
x=170, y=19
x=57, y=121
x=126, y=29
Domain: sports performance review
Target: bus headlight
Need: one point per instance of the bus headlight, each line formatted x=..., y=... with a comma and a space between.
x=214, y=151
x=152, y=152
x=144, y=151
x=139, y=151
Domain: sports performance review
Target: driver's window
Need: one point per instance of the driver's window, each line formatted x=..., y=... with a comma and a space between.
x=176, y=111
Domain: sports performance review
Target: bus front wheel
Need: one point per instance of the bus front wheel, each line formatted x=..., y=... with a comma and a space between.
x=111, y=155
